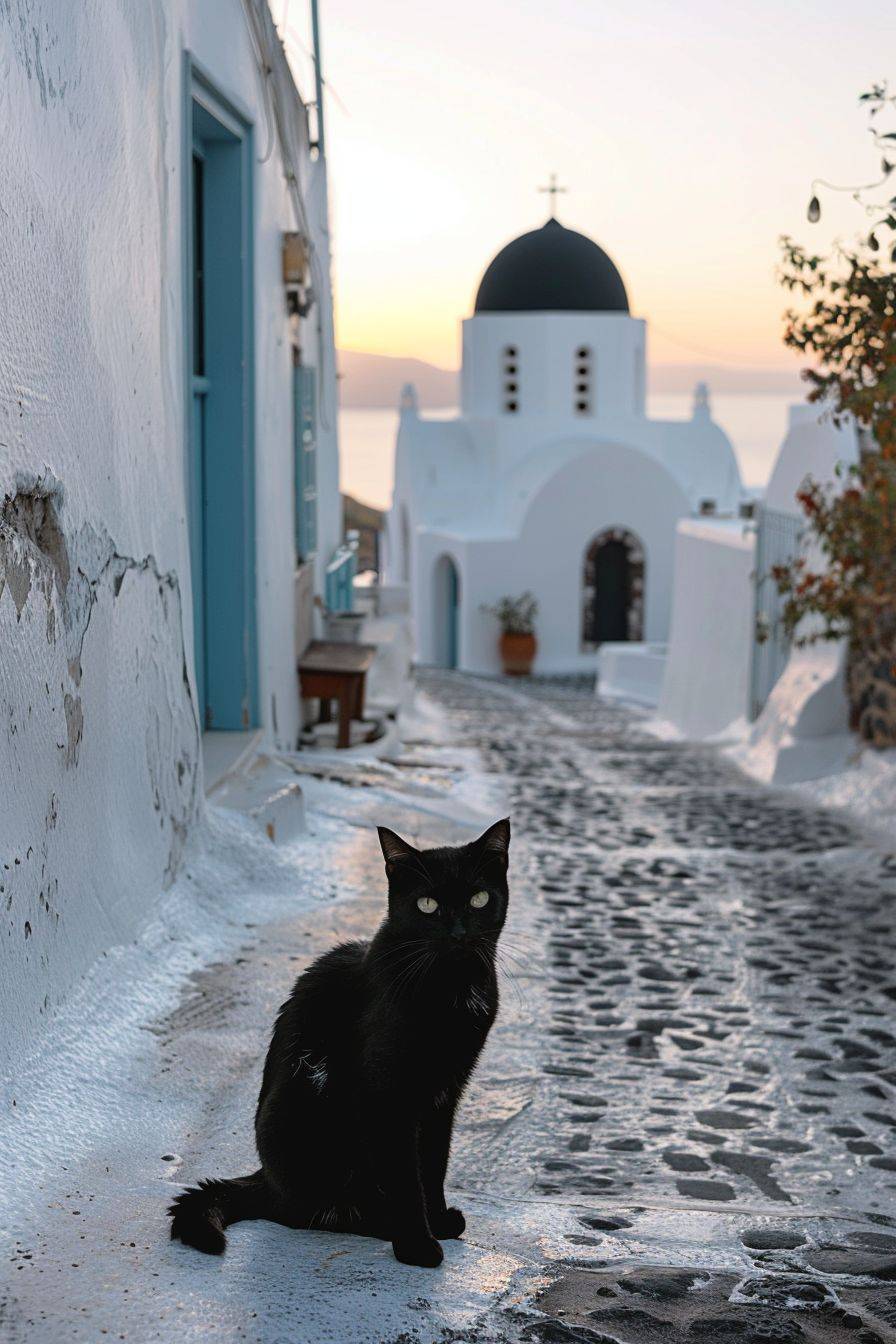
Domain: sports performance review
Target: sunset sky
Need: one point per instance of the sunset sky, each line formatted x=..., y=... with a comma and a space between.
x=688, y=137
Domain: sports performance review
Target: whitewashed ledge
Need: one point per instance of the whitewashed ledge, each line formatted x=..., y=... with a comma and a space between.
x=632, y=672
x=707, y=682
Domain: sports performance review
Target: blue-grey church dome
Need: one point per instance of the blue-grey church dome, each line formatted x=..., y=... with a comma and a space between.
x=552, y=269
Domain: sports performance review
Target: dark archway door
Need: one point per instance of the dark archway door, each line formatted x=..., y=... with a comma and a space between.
x=613, y=589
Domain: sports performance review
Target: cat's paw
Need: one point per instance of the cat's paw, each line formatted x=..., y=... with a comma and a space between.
x=448, y=1225
x=419, y=1250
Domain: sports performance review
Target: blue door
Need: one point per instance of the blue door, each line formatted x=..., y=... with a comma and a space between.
x=198, y=389
x=446, y=613
x=221, y=470
x=305, y=454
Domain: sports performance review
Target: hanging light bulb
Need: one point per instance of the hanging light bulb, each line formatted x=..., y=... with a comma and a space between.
x=814, y=211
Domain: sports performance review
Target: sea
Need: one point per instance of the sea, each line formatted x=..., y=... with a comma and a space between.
x=755, y=424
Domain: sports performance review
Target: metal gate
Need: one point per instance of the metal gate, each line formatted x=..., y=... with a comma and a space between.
x=777, y=542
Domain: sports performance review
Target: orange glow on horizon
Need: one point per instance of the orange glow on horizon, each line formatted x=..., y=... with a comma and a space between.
x=688, y=144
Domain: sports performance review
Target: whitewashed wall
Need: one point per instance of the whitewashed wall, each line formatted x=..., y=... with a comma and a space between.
x=517, y=496
x=546, y=345
x=803, y=731
x=590, y=493
x=100, y=775
x=706, y=683
x=707, y=677
x=813, y=446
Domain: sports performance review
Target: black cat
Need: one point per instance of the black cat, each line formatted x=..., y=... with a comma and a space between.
x=369, y=1058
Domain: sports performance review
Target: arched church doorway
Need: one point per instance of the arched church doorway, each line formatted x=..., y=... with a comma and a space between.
x=446, y=613
x=613, y=589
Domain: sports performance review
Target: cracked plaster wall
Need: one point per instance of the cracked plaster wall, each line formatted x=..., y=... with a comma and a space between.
x=100, y=771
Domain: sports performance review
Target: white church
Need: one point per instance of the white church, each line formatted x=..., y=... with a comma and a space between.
x=552, y=478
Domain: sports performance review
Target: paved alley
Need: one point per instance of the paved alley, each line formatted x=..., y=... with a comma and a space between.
x=682, y=1129
x=721, y=980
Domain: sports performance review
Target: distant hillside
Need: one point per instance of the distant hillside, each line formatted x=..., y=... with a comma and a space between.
x=375, y=381
x=372, y=381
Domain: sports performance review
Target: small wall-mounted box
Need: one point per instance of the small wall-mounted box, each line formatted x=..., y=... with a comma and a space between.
x=295, y=258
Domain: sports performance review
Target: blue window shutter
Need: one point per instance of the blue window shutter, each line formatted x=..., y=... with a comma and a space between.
x=339, y=582
x=305, y=443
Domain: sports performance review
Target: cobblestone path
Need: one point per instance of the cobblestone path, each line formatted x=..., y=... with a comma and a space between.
x=722, y=985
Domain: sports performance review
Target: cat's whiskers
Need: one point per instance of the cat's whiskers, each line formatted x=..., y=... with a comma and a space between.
x=504, y=954
x=523, y=941
x=301, y=1060
x=409, y=974
x=513, y=982
x=399, y=969
x=498, y=963
x=476, y=1001
x=492, y=963
x=520, y=954
x=395, y=987
x=392, y=952
x=425, y=967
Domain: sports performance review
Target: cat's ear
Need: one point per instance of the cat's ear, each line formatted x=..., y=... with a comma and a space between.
x=394, y=848
x=495, y=842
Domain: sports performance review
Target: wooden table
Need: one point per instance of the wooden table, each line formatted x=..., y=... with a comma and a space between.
x=331, y=671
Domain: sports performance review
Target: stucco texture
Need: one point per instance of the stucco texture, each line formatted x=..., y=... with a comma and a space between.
x=100, y=772
x=100, y=739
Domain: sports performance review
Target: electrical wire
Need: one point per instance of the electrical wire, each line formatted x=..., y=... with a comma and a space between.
x=261, y=26
x=711, y=355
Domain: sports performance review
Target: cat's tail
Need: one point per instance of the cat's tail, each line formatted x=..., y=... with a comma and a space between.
x=200, y=1215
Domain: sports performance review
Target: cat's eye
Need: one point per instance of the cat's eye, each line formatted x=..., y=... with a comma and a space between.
x=479, y=900
x=427, y=904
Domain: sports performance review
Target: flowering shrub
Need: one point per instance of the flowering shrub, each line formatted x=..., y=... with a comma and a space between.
x=849, y=326
x=515, y=615
x=855, y=528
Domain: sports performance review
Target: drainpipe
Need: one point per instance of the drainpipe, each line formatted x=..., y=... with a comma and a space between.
x=318, y=78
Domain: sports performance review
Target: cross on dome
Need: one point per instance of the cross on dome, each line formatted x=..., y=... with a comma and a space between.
x=553, y=191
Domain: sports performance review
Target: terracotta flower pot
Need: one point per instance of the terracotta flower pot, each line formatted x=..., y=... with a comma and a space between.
x=518, y=654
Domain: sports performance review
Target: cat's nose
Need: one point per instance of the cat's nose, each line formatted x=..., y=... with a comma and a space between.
x=457, y=930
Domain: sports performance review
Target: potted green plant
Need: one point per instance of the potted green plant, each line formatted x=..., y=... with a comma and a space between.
x=518, y=645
